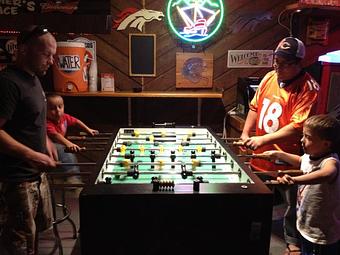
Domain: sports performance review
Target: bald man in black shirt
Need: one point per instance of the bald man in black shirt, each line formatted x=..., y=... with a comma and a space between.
x=25, y=151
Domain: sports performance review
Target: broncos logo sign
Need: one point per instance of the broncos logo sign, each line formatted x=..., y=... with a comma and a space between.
x=136, y=19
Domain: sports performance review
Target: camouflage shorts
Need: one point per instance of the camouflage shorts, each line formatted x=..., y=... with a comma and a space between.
x=25, y=208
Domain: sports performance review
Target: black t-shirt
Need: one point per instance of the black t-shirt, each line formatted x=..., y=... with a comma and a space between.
x=23, y=105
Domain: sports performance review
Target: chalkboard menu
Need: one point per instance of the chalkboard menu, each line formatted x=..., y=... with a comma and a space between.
x=142, y=54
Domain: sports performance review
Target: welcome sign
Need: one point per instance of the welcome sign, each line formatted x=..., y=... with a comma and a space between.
x=250, y=58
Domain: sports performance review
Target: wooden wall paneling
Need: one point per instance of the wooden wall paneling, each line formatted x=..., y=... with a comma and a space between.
x=164, y=82
x=120, y=5
x=122, y=81
x=112, y=56
x=263, y=36
x=168, y=44
x=234, y=40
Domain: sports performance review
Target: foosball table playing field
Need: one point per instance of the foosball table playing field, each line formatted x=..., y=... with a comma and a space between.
x=174, y=191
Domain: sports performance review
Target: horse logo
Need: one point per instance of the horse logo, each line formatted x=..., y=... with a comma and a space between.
x=136, y=19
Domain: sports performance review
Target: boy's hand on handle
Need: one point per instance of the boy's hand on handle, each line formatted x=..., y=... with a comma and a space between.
x=271, y=155
x=73, y=148
x=93, y=132
x=285, y=179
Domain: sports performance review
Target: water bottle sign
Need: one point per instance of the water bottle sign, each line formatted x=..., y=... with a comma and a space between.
x=68, y=63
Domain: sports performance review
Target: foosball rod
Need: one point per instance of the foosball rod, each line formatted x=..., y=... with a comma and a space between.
x=174, y=143
x=280, y=173
x=77, y=164
x=157, y=149
x=260, y=156
x=93, y=143
x=169, y=133
x=173, y=172
x=132, y=164
x=81, y=138
x=99, y=134
x=161, y=139
x=83, y=149
x=169, y=155
x=231, y=139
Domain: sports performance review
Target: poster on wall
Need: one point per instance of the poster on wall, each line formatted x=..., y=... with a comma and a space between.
x=8, y=46
x=90, y=46
x=250, y=58
x=12, y=8
x=194, y=70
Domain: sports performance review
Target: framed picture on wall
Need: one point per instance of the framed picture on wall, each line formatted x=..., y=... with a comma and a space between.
x=194, y=70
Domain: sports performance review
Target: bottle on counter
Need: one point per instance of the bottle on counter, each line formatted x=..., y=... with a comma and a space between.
x=93, y=76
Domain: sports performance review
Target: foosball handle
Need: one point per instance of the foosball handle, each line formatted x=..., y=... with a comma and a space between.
x=164, y=125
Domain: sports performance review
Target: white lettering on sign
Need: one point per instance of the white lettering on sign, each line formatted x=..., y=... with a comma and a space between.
x=14, y=7
x=68, y=63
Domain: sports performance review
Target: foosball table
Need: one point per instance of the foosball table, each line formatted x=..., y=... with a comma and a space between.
x=174, y=191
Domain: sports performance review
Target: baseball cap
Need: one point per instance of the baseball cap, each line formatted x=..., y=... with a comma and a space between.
x=290, y=48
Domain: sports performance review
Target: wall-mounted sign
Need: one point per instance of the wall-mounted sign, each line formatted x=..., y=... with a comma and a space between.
x=90, y=46
x=59, y=6
x=194, y=70
x=8, y=46
x=18, y=6
x=131, y=17
x=321, y=2
x=195, y=20
x=250, y=58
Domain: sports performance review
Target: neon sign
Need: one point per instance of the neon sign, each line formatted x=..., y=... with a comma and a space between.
x=195, y=20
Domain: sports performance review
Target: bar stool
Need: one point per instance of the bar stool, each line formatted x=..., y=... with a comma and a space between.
x=65, y=211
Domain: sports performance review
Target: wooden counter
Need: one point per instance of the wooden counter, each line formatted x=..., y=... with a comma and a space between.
x=165, y=94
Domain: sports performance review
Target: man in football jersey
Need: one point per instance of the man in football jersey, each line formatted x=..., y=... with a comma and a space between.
x=282, y=102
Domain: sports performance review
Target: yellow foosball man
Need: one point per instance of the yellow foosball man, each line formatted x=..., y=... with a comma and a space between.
x=151, y=138
x=125, y=163
x=159, y=165
x=123, y=149
x=161, y=149
x=195, y=163
x=141, y=149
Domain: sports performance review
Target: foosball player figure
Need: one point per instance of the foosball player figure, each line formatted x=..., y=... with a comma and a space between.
x=172, y=157
x=108, y=180
x=213, y=158
x=141, y=149
x=132, y=156
x=152, y=157
x=197, y=182
x=150, y=138
x=186, y=138
x=127, y=143
x=155, y=183
x=135, y=133
x=196, y=163
x=125, y=163
x=185, y=143
x=161, y=149
x=193, y=154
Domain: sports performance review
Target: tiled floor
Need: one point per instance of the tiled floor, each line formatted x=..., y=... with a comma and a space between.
x=46, y=243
